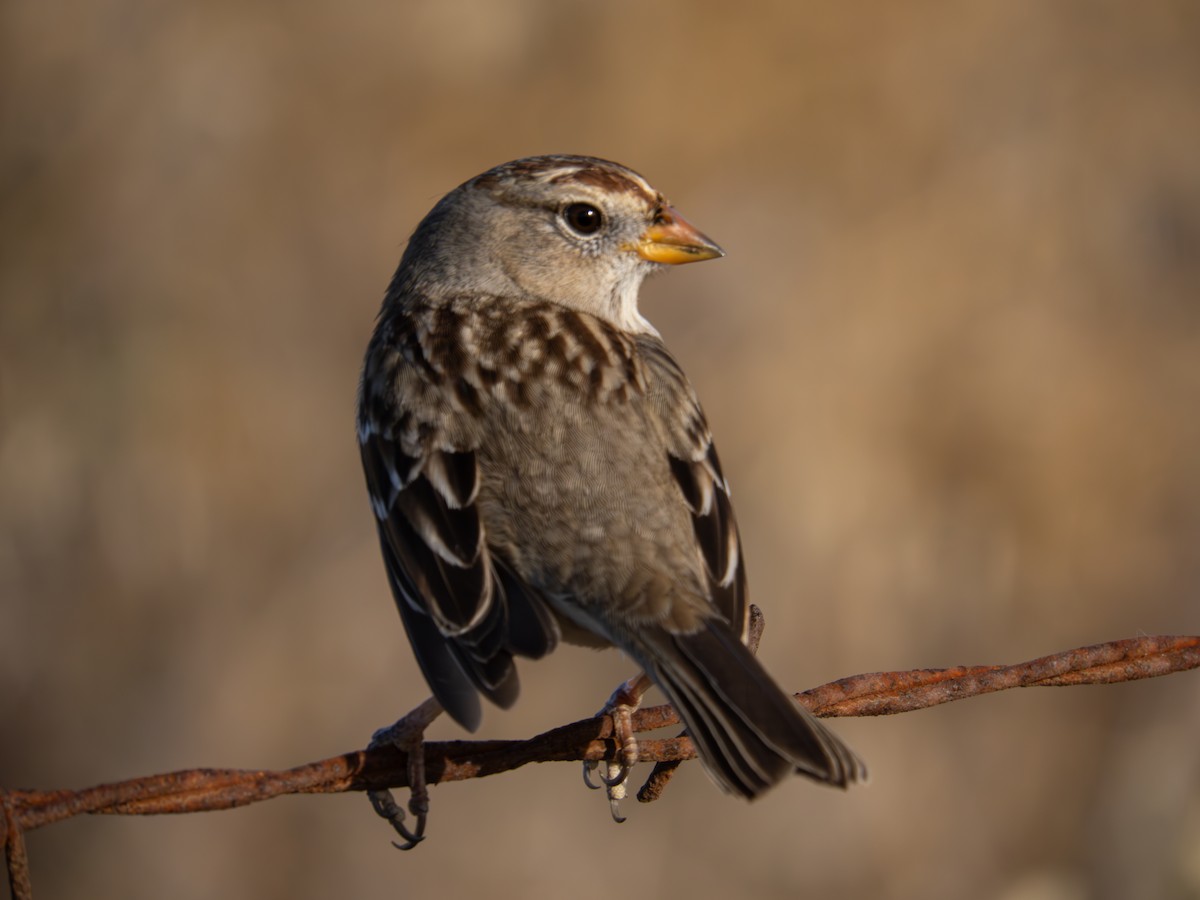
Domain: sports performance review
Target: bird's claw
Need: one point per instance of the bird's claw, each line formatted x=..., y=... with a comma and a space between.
x=613, y=782
x=386, y=807
x=620, y=706
x=408, y=735
x=589, y=766
x=616, y=774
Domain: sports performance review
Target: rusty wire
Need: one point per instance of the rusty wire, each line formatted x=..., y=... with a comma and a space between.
x=872, y=694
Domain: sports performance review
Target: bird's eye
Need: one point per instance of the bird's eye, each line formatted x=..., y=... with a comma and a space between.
x=583, y=218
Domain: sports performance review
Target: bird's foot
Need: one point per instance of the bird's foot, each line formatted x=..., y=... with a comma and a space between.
x=408, y=735
x=621, y=707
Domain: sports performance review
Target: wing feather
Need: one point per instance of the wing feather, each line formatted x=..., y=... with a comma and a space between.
x=465, y=614
x=696, y=470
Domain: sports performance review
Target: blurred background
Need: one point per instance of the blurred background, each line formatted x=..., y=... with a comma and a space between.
x=952, y=361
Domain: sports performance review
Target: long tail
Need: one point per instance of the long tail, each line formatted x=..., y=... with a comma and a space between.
x=748, y=732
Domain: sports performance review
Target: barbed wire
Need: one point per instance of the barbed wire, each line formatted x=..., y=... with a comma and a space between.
x=385, y=767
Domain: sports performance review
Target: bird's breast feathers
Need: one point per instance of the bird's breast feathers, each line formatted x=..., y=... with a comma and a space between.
x=580, y=431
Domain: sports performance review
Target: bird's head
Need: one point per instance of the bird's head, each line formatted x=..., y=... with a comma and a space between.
x=573, y=230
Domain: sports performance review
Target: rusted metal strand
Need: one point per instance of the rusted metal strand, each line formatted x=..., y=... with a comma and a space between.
x=862, y=695
x=887, y=693
x=15, y=858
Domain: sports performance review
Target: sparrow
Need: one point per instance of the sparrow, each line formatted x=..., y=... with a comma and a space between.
x=540, y=468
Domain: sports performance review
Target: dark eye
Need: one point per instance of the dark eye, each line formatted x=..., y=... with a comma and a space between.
x=583, y=218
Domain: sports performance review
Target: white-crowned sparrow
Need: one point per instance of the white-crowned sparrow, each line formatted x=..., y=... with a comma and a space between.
x=539, y=465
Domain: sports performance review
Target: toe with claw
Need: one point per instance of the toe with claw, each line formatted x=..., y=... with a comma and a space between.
x=621, y=707
x=408, y=734
x=386, y=807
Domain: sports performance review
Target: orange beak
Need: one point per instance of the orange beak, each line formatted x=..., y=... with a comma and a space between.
x=673, y=240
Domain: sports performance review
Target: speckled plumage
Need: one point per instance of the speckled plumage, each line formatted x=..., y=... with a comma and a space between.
x=540, y=467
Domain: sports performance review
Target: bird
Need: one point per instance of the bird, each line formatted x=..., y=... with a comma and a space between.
x=540, y=468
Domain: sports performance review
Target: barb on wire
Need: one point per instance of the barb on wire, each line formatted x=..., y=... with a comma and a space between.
x=875, y=694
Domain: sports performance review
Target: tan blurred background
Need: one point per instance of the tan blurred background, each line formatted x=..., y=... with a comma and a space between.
x=952, y=361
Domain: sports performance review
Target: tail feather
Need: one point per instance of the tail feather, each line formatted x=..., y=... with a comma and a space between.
x=739, y=766
x=748, y=732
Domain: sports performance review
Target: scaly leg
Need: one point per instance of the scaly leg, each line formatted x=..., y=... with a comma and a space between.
x=408, y=734
x=621, y=706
